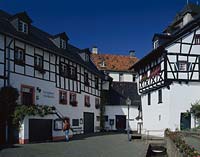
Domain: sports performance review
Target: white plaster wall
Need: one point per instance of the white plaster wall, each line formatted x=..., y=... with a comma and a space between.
x=115, y=76
x=112, y=111
x=152, y=112
x=65, y=110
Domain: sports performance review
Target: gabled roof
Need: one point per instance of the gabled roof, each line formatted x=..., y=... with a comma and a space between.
x=62, y=35
x=189, y=8
x=22, y=15
x=113, y=62
x=161, y=49
x=41, y=39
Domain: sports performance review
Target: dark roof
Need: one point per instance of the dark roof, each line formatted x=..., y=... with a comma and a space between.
x=41, y=39
x=189, y=8
x=161, y=49
x=63, y=35
x=121, y=90
x=22, y=15
x=163, y=36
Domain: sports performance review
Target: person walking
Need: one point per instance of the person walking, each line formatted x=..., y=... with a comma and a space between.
x=66, y=128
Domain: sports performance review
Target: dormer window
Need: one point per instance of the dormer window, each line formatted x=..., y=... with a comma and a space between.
x=23, y=27
x=62, y=44
x=87, y=57
x=156, y=44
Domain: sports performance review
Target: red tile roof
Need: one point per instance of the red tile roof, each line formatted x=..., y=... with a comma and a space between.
x=113, y=62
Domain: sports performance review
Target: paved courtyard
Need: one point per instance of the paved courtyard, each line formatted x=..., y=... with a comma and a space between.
x=111, y=145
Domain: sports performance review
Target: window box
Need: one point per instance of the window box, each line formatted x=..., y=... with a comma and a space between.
x=40, y=69
x=97, y=106
x=74, y=103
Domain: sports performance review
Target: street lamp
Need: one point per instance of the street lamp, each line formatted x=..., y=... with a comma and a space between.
x=128, y=102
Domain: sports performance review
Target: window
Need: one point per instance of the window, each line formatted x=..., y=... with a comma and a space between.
x=197, y=39
x=86, y=79
x=87, y=58
x=38, y=62
x=97, y=103
x=75, y=122
x=19, y=56
x=160, y=96
x=96, y=83
x=63, y=69
x=23, y=27
x=149, y=98
x=87, y=101
x=62, y=44
x=97, y=118
x=72, y=99
x=121, y=78
x=182, y=66
x=63, y=97
x=156, y=44
x=27, y=95
x=72, y=72
x=106, y=118
x=134, y=78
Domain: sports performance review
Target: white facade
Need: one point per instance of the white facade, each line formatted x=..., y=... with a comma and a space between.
x=177, y=76
x=122, y=76
x=46, y=86
x=112, y=111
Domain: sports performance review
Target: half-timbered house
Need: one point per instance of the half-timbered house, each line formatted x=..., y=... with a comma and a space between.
x=47, y=70
x=169, y=76
x=123, y=86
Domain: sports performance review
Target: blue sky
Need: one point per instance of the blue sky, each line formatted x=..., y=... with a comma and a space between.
x=113, y=26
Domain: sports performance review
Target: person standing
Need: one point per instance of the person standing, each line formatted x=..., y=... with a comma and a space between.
x=66, y=128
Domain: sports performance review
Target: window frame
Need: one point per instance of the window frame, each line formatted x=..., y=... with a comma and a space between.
x=96, y=82
x=63, y=44
x=74, y=101
x=197, y=39
x=23, y=26
x=87, y=101
x=19, y=61
x=160, y=96
x=149, y=99
x=63, y=101
x=86, y=79
x=38, y=67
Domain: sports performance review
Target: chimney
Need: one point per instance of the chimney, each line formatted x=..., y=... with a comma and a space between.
x=95, y=50
x=132, y=53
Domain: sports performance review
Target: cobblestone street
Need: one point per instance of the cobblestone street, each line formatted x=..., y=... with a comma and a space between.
x=112, y=145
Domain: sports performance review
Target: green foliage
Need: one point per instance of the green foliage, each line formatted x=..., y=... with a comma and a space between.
x=183, y=147
x=32, y=110
x=8, y=98
x=104, y=98
x=195, y=109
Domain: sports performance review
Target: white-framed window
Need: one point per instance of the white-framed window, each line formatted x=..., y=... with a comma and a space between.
x=62, y=44
x=197, y=39
x=63, y=97
x=72, y=72
x=96, y=82
x=38, y=61
x=156, y=44
x=121, y=77
x=63, y=69
x=19, y=56
x=23, y=27
x=182, y=65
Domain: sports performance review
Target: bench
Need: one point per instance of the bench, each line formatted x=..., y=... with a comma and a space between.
x=77, y=130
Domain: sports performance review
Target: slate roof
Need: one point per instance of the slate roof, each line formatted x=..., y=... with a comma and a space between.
x=41, y=39
x=161, y=49
x=113, y=62
x=189, y=8
x=121, y=90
